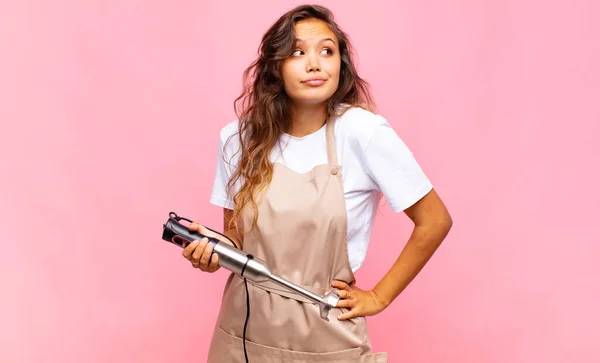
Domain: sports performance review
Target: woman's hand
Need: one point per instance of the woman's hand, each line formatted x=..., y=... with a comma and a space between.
x=199, y=251
x=360, y=302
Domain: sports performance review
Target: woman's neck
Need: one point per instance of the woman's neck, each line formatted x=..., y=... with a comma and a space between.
x=307, y=120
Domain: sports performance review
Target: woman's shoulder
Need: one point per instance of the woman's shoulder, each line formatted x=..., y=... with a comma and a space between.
x=358, y=124
x=228, y=130
x=228, y=139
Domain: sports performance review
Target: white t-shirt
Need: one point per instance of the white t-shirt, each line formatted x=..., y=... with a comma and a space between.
x=374, y=160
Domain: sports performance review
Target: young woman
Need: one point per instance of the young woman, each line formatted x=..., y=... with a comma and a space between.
x=300, y=176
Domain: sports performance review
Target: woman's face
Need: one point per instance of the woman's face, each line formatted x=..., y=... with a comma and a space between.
x=312, y=73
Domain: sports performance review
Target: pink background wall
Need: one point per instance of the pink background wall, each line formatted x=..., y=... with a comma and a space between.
x=110, y=115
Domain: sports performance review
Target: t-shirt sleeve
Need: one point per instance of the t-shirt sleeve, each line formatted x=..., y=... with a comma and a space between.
x=223, y=172
x=393, y=167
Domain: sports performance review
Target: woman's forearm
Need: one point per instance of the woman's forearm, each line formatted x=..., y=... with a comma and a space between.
x=229, y=228
x=423, y=242
x=232, y=235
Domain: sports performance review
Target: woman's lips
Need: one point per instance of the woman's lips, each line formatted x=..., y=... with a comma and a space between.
x=314, y=82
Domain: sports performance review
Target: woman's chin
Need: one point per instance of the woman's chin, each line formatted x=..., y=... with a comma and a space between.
x=312, y=99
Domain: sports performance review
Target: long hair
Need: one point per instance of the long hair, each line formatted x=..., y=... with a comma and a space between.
x=262, y=108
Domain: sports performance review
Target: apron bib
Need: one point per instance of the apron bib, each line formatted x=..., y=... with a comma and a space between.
x=301, y=234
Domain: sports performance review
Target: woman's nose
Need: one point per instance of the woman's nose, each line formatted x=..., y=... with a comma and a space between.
x=312, y=64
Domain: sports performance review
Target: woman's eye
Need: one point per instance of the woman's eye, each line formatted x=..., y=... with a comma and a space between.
x=299, y=52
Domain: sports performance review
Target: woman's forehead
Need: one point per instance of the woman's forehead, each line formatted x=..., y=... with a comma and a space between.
x=313, y=30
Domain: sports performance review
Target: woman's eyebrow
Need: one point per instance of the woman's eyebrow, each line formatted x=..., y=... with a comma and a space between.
x=300, y=40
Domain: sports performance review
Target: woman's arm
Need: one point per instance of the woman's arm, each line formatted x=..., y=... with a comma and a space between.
x=432, y=224
x=230, y=232
x=199, y=252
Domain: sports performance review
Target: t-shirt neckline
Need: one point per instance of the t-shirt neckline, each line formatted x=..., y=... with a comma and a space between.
x=285, y=134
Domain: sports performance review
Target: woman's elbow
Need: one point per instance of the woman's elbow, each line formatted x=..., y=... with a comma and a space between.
x=438, y=225
x=447, y=221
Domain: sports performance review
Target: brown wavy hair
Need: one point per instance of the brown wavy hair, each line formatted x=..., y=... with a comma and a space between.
x=262, y=108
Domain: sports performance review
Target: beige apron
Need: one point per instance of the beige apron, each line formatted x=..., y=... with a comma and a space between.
x=301, y=234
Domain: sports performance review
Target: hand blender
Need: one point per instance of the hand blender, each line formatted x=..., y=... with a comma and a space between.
x=241, y=263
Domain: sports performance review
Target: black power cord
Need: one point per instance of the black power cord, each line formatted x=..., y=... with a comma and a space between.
x=247, y=316
x=247, y=305
x=249, y=257
x=173, y=215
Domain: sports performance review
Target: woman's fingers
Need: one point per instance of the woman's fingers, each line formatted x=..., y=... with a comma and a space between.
x=196, y=227
x=196, y=258
x=193, y=227
x=345, y=294
x=188, y=251
x=340, y=285
x=346, y=303
x=199, y=251
x=205, y=258
x=214, y=263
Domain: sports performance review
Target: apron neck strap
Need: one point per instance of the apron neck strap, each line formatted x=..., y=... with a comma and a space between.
x=332, y=158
